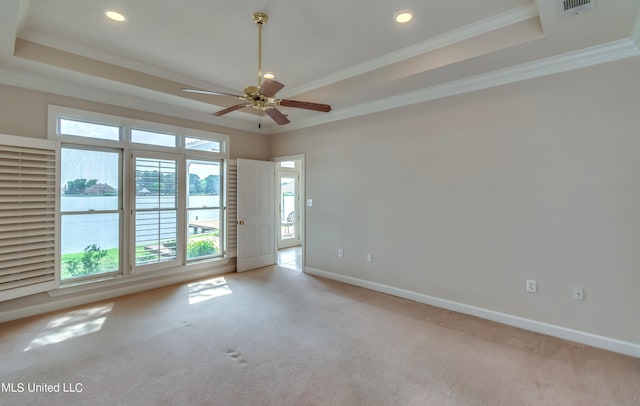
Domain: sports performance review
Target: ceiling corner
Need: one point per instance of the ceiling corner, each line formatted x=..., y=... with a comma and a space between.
x=635, y=31
x=12, y=15
x=23, y=9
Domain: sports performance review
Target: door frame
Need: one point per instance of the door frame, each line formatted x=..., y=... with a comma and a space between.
x=303, y=200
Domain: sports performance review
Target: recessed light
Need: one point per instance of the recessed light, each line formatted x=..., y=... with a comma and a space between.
x=269, y=75
x=404, y=17
x=115, y=15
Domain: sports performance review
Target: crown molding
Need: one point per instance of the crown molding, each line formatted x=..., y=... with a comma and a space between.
x=609, y=52
x=498, y=21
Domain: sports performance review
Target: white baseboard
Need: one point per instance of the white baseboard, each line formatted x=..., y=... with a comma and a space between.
x=606, y=343
x=63, y=301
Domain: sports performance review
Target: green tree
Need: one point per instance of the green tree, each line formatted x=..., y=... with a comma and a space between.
x=147, y=180
x=92, y=258
x=91, y=261
x=201, y=248
x=212, y=185
x=79, y=186
x=194, y=184
x=168, y=183
x=156, y=182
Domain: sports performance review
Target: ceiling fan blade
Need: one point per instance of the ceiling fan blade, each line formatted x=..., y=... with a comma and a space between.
x=210, y=92
x=305, y=105
x=230, y=109
x=277, y=116
x=270, y=87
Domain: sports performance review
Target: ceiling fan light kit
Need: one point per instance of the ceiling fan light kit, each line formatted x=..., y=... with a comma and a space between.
x=262, y=97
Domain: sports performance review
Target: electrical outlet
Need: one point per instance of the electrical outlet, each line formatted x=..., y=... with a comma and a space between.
x=369, y=258
x=578, y=294
x=340, y=253
x=532, y=286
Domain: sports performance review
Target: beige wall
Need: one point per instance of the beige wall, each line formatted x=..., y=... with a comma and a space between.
x=24, y=112
x=464, y=198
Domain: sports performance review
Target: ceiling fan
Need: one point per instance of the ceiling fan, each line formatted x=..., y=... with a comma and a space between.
x=262, y=97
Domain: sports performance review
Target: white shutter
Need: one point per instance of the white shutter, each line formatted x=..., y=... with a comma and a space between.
x=156, y=220
x=27, y=216
x=231, y=208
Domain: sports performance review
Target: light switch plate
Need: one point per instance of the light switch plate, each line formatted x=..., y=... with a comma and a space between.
x=532, y=286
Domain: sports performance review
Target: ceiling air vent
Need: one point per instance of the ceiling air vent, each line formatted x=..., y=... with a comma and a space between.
x=573, y=7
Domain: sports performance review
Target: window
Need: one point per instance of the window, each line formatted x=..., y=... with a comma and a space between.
x=88, y=130
x=203, y=209
x=199, y=144
x=288, y=164
x=90, y=212
x=156, y=210
x=153, y=138
x=136, y=196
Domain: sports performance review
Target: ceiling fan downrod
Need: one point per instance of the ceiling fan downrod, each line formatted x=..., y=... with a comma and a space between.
x=261, y=20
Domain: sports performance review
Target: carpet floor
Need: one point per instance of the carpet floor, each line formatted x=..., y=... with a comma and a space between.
x=275, y=336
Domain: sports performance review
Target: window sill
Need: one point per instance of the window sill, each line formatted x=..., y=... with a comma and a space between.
x=146, y=280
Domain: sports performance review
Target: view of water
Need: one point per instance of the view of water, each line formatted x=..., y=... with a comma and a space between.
x=81, y=230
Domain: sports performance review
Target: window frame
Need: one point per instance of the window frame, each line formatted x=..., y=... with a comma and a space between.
x=120, y=211
x=221, y=208
x=128, y=150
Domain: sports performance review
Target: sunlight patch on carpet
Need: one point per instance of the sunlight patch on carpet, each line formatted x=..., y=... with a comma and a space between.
x=72, y=324
x=208, y=289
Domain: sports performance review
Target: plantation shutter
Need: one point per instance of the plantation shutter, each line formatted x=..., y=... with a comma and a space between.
x=156, y=218
x=27, y=216
x=231, y=208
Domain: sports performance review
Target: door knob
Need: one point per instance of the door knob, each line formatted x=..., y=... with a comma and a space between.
x=241, y=222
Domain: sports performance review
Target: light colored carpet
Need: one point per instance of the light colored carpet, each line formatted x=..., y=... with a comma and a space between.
x=279, y=337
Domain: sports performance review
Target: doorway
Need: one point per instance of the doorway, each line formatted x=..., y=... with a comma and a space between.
x=290, y=258
x=289, y=196
x=287, y=184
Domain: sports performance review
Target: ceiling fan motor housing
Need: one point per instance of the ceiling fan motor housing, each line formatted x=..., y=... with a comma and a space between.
x=251, y=90
x=260, y=18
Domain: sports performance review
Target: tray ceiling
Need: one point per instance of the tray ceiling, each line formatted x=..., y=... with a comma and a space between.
x=352, y=55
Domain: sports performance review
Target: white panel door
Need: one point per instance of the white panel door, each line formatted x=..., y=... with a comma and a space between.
x=256, y=214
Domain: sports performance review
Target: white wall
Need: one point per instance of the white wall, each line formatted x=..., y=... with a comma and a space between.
x=466, y=197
